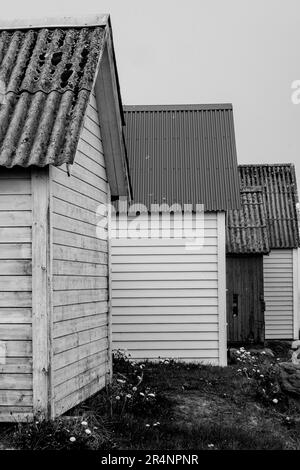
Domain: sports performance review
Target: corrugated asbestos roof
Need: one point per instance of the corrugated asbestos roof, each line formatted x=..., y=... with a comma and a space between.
x=183, y=154
x=247, y=230
x=270, y=207
x=46, y=76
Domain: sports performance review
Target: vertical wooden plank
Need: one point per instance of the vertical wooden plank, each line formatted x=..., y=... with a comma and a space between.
x=109, y=313
x=295, y=293
x=51, y=401
x=222, y=289
x=40, y=290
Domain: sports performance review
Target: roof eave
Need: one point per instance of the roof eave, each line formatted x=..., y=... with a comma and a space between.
x=110, y=110
x=56, y=22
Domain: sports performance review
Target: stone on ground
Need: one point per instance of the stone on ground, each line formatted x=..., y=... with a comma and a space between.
x=290, y=377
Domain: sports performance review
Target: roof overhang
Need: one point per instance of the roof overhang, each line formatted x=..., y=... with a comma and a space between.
x=110, y=109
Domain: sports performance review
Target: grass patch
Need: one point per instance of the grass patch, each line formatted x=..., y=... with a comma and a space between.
x=175, y=406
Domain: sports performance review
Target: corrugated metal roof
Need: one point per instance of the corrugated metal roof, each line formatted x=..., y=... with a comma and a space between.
x=183, y=154
x=273, y=210
x=46, y=76
x=246, y=230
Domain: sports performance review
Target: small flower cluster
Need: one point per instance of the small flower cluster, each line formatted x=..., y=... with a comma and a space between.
x=263, y=377
x=128, y=391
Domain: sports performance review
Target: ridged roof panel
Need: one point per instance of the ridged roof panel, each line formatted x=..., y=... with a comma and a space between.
x=268, y=218
x=46, y=76
x=246, y=229
x=183, y=154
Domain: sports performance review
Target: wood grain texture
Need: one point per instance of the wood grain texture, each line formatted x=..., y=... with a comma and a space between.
x=40, y=290
x=80, y=283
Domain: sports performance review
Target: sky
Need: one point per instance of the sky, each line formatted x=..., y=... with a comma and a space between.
x=246, y=52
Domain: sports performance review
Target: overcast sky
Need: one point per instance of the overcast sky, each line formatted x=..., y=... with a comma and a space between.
x=246, y=52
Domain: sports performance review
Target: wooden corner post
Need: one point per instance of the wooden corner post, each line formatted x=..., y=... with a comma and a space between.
x=222, y=288
x=40, y=291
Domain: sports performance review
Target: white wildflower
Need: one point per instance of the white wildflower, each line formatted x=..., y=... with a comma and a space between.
x=84, y=423
x=118, y=398
x=275, y=400
x=72, y=439
x=88, y=431
x=128, y=395
x=134, y=389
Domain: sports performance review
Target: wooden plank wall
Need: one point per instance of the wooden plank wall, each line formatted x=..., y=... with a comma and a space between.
x=165, y=298
x=279, y=294
x=80, y=285
x=15, y=295
x=245, y=279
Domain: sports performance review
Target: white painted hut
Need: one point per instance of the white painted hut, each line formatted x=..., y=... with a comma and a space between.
x=168, y=300
x=62, y=155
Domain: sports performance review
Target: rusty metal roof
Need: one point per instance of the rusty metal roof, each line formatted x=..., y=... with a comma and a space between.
x=268, y=218
x=46, y=77
x=183, y=154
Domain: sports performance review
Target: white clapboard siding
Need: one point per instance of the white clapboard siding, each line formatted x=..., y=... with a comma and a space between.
x=80, y=284
x=165, y=297
x=280, y=290
x=16, y=394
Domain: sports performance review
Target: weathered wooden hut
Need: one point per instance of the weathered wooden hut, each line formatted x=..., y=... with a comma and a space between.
x=62, y=156
x=262, y=256
x=169, y=299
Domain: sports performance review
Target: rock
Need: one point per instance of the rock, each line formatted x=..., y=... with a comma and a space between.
x=290, y=377
x=296, y=357
x=296, y=344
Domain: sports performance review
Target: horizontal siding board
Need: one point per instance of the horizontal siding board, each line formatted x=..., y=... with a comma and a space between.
x=80, y=381
x=165, y=310
x=161, y=321
x=164, y=284
x=15, y=234
x=74, y=240
x=72, y=356
x=77, y=268
x=73, y=370
x=67, y=253
x=160, y=328
x=16, y=299
x=15, y=398
x=10, y=283
x=78, y=185
x=164, y=293
x=12, y=187
x=122, y=278
x=74, y=340
x=79, y=395
x=278, y=291
x=80, y=283
x=15, y=382
x=68, y=327
x=15, y=251
x=15, y=219
x=67, y=312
